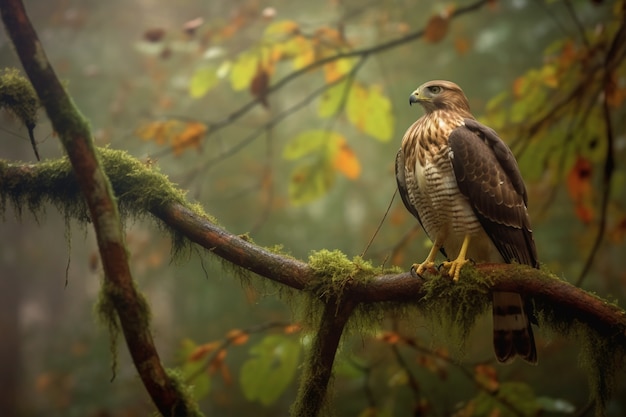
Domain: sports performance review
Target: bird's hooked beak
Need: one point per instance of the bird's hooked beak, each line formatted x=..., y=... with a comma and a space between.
x=414, y=97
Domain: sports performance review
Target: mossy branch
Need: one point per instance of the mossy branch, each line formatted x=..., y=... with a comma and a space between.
x=75, y=135
x=329, y=276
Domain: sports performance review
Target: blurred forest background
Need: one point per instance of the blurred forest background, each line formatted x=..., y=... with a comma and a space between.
x=226, y=98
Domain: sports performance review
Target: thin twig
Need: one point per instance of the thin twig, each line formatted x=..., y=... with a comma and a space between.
x=609, y=158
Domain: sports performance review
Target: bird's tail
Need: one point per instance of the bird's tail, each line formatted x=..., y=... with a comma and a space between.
x=512, y=332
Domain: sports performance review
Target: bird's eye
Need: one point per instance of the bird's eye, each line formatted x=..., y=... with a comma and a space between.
x=435, y=89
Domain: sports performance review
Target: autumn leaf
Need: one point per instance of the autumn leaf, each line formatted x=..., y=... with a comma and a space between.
x=281, y=28
x=243, y=70
x=580, y=189
x=346, y=162
x=461, y=45
x=238, y=337
x=334, y=70
x=331, y=100
x=306, y=55
x=310, y=181
x=436, y=29
x=158, y=131
x=391, y=338
x=259, y=85
x=370, y=111
x=201, y=351
x=202, y=80
x=190, y=137
x=292, y=328
x=487, y=377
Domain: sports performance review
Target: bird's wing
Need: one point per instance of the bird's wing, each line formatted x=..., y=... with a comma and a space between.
x=487, y=174
x=402, y=186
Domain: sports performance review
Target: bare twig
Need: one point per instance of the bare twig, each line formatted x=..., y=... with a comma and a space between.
x=612, y=57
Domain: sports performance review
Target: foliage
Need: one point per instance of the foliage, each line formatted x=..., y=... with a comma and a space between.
x=284, y=45
x=555, y=111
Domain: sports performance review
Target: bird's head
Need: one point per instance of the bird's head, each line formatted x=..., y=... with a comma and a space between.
x=440, y=95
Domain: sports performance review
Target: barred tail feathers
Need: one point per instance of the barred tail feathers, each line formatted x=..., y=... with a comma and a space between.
x=512, y=332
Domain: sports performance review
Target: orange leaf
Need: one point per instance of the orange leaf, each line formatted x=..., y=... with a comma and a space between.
x=580, y=189
x=226, y=375
x=618, y=232
x=436, y=29
x=461, y=45
x=346, y=162
x=237, y=337
x=568, y=55
x=519, y=86
x=615, y=94
x=391, y=337
x=202, y=350
x=260, y=82
x=191, y=136
x=157, y=131
x=218, y=361
x=487, y=376
x=292, y=328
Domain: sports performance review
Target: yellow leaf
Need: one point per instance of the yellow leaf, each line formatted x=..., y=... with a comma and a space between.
x=332, y=98
x=334, y=70
x=283, y=27
x=159, y=131
x=202, y=81
x=306, y=53
x=370, y=111
x=243, y=70
x=354, y=106
x=310, y=142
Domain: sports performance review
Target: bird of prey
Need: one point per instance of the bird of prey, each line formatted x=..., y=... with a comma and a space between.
x=462, y=183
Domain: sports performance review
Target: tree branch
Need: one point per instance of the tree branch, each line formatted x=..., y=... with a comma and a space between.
x=135, y=186
x=119, y=290
x=141, y=190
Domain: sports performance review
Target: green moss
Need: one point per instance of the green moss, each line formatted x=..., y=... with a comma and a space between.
x=18, y=96
x=455, y=306
x=601, y=357
x=138, y=188
x=107, y=315
x=177, y=379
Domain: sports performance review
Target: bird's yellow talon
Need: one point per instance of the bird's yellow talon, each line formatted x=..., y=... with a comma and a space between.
x=455, y=268
x=417, y=269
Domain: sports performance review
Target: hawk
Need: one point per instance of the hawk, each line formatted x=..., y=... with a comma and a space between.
x=462, y=183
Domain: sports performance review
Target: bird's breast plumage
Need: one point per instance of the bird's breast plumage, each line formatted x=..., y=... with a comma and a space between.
x=444, y=212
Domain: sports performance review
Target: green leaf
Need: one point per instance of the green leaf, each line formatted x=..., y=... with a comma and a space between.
x=200, y=385
x=273, y=365
x=380, y=122
x=202, y=80
x=330, y=101
x=309, y=182
x=370, y=111
x=555, y=405
x=243, y=70
x=519, y=396
x=309, y=142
